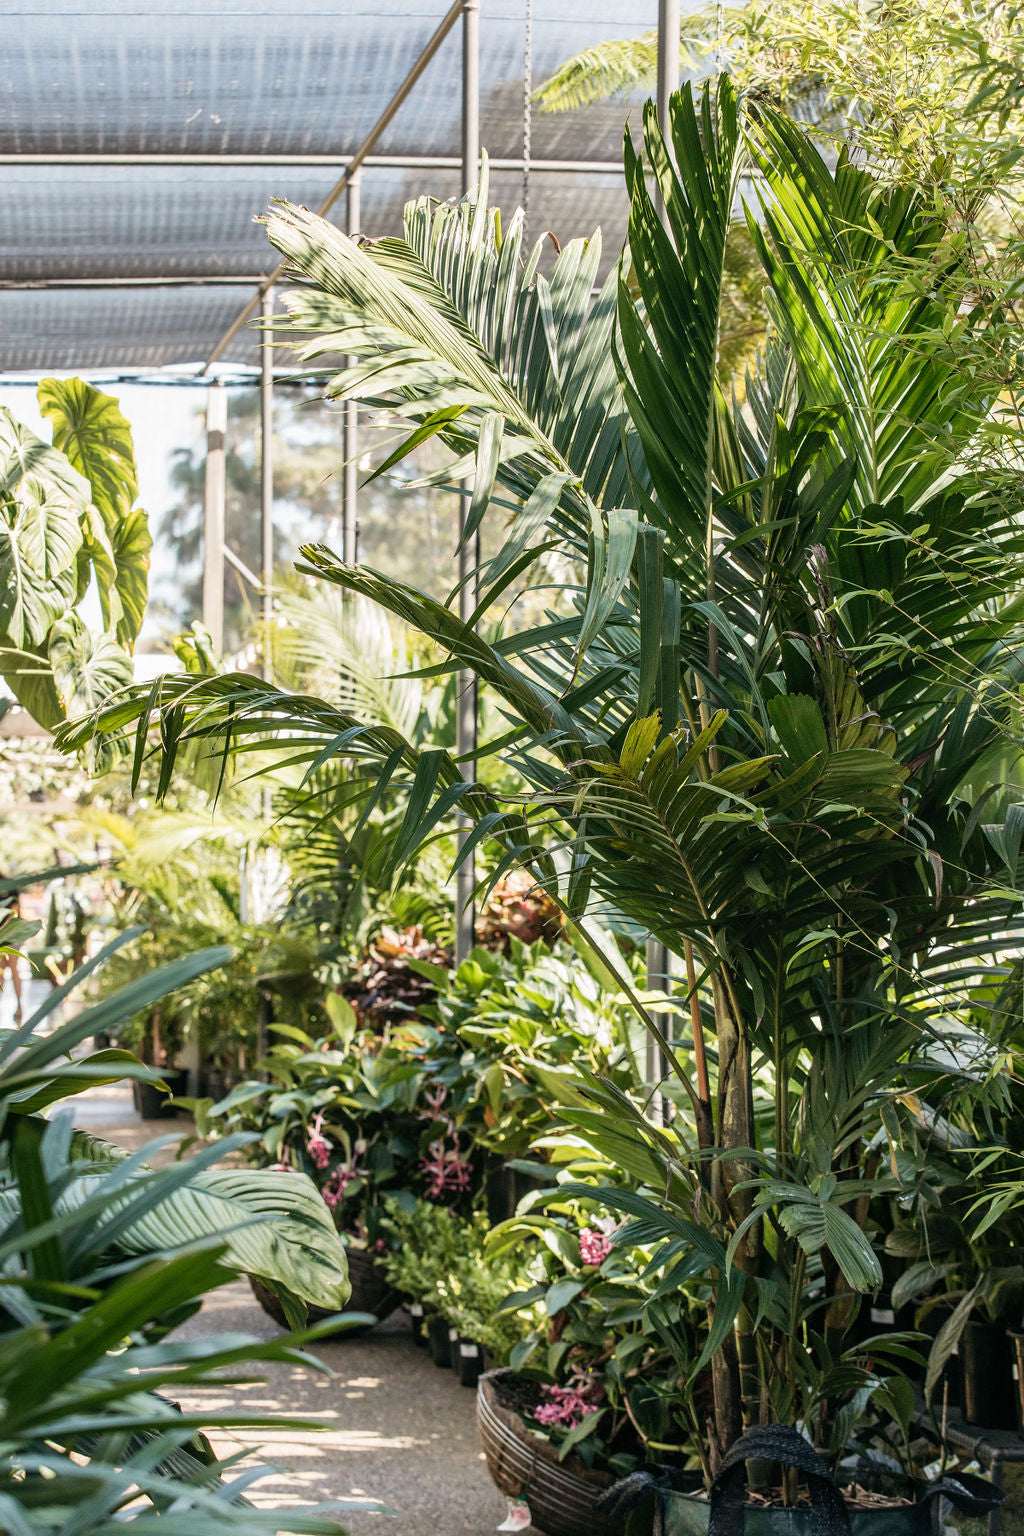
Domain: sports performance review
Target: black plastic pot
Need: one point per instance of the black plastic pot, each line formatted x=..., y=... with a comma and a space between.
x=727, y=1513
x=1017, y=1346
x=470, y=1358
x=419, y=1327
x=453, y=1349
x=440, y=1348
x=151, y=1103
x=987, y=1394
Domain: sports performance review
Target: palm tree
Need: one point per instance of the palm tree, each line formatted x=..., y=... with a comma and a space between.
x=787, y=638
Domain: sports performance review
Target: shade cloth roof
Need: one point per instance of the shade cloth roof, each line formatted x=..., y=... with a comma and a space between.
x=250, y=78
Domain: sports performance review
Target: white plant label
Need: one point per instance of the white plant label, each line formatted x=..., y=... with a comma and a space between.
x=518, y=1517
x=469, y=1351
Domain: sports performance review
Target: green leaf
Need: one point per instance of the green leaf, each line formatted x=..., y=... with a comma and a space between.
x=87, y=668
x=89, y=429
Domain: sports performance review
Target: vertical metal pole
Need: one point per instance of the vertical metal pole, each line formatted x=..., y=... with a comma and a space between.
x=213, y=515
x=350, y=481
x=668, y=68
x=658, y=975
x=267, y=477
x=469, y=554
x=668, y=54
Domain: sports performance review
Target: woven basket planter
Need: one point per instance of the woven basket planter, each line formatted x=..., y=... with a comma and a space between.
x=370, y=1293
x=562, y=1495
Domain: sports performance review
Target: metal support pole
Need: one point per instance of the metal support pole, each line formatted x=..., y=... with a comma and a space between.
x=213, y=515
x=469, y=553
x=350, y=472
x=658, y=976
x=668, y=68
x=267, y=477
x=355, y=161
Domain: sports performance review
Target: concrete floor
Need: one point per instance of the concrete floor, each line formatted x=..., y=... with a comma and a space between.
x=397, y=1429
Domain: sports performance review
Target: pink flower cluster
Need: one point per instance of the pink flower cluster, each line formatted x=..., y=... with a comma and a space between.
x=445, y=1171
x=594, y=1246
x=565, y=1405
x=333, y=1192
x=318, y=1146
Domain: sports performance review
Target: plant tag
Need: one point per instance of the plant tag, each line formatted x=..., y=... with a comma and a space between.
x=472, y=1351
x=1016, y=1371
x=883, y=1315
x=453, y=1335
x=416, y=1310
x=518, y=1517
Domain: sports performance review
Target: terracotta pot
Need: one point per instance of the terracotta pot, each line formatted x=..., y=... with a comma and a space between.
x=562, y=1495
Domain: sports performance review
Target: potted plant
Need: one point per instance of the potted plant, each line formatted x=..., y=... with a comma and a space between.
x=756, y=728
x=438, y=1259
x=596, y=1378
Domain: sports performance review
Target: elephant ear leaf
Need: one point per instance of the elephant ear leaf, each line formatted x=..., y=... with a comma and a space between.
x=89, y=429
x=87, y=668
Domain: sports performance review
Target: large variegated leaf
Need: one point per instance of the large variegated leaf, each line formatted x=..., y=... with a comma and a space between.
x=87, y=667
x=89, y=429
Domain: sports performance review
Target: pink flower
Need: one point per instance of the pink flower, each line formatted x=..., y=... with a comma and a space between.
x=565, y=1405
x=434, y=1098
x=445, y=1170
x=333, y=1192
x=594, y=1246
x=319, y=1147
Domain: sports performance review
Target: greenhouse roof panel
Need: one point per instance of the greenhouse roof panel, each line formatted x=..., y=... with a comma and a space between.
x=246, y=79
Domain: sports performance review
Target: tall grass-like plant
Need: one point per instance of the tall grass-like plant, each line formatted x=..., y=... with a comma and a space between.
x=757, y=723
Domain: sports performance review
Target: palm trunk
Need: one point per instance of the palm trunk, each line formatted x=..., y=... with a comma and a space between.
x=736, y=1380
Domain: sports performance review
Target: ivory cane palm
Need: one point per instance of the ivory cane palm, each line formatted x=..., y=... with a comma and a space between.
x=745, y=727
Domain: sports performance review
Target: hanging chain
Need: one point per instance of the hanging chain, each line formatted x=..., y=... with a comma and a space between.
x=527, y=113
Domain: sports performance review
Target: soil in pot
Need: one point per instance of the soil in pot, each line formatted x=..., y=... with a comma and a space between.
x=562, y=1495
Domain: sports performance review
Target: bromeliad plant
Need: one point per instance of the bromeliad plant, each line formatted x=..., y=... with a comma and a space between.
x=785, y=649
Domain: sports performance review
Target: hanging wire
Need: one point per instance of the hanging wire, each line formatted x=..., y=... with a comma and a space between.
x=527, y=114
